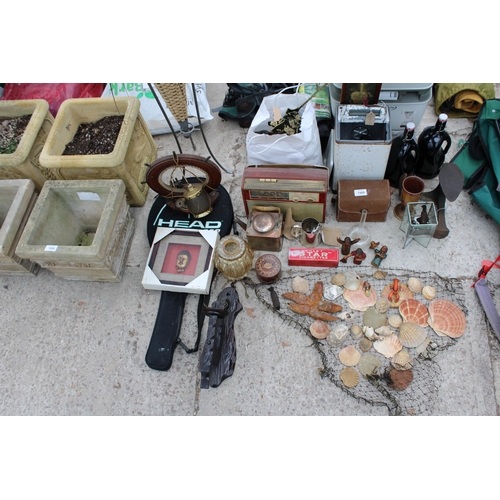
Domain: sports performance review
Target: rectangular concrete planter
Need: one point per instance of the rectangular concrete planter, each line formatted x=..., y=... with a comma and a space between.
x=80, y=230
x=17, y=198
x=24, y=162
x=134, y=149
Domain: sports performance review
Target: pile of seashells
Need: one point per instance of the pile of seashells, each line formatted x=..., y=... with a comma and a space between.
x=393, y=323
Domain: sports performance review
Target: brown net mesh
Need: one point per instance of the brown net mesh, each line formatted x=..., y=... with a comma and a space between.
x=420, y=396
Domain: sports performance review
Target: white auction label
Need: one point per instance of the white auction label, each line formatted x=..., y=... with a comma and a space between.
x=88, y=196
x=51, y=248
x=360, y=192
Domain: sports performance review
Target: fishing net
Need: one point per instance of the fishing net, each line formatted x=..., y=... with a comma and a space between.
x=375, y=388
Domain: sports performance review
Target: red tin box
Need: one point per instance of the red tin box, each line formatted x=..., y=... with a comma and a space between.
x=315, y=257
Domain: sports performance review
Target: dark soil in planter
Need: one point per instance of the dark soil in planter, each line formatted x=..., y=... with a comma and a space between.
x=97, y=138
x=11, y=133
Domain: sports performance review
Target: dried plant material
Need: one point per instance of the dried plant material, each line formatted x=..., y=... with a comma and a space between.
x=360, y=299
x=349, y=356
x=319, y=329
x=414, y=311
x=446, y=318
x=388, y=346
x=368, y=365
x=399, y=380
x=411, y=334
x=373, y=318
x=350, y=377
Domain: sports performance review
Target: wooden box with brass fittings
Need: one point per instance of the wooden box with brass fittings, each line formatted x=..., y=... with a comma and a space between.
x=265, y=228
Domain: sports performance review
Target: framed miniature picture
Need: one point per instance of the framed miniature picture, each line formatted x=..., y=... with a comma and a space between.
x=360, y=93
x=181, y=260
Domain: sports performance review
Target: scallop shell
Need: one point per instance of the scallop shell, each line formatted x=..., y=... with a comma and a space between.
x=402, y=360
x=300, y=285
x=358, y=299
x=446, y=318
x=429, y=292
x=399, y=380
x=382, y=305
x=368, y=364
x=349, y=356
x=373, y=318
x=352, y=281
x=379, y=275
x=337, y=335
x=414, y=311
x=356, y=332
x=403, y=290
x=415, y=285
x=319, y=329
x=388, y=346
x=338, y=279
x=411, y=334
x=350, y=377
x=365, y=344
x=395, y=320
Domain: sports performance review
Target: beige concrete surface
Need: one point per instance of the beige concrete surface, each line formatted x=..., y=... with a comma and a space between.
x=78, y=348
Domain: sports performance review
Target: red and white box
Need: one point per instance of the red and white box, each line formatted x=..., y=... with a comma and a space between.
x=315, y=257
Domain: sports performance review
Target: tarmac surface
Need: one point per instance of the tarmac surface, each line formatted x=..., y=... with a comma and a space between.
x=78, y=348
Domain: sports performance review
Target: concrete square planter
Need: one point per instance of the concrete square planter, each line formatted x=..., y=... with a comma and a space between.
x=24, y=162
x=134, y=148
x=80, y=230
x=17, y=198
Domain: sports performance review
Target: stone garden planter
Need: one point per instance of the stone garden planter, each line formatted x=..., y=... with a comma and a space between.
x=134, y=148
x=80, y=230
x=17, y=197
x=24, y=163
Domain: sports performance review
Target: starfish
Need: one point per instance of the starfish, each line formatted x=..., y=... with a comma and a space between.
x=313, y=304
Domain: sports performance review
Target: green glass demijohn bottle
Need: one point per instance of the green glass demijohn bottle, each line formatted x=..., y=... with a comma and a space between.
x=433, y=143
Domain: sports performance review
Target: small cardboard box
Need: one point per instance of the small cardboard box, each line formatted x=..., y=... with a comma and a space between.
x=181, y=260
x=313, y=257
x=354, y=196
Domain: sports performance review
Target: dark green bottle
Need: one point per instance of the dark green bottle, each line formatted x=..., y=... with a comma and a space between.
x=403, y=156
x=433, y=143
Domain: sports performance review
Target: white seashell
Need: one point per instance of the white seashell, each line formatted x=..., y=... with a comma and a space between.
x=346, y=316
x=388, y=346
x=352, y=281
x=369, y=333
x=429, y=292
x=379, y=275
x=395, y=320
x=415, y=285
x=349, y=356
x=337, y=335
x=385, y=331
x=382, y=305
x=332, y=292
x=300, y=285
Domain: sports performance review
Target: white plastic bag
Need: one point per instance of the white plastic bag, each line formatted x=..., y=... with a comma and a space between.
x=152, y=113
x=303, y=148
